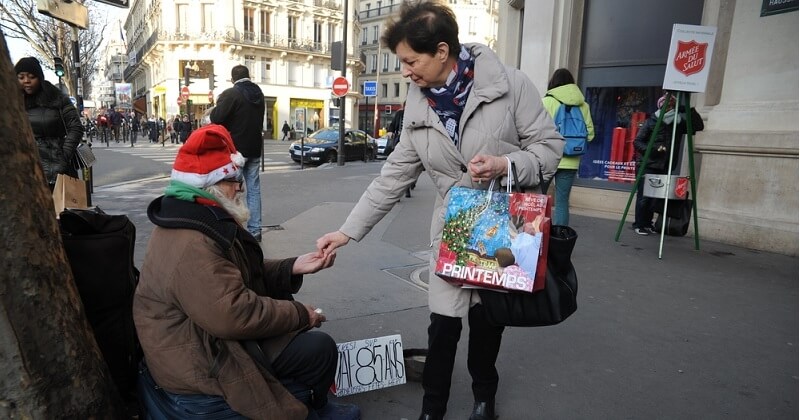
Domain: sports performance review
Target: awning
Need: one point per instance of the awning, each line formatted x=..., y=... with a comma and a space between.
x=140, y=105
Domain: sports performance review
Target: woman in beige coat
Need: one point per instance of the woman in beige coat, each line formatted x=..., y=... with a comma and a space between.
x=465, y=114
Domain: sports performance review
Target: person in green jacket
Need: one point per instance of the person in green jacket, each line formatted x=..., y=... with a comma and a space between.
x=562, y=90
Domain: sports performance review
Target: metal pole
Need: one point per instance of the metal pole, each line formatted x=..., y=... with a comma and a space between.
x=668, y=187
x=343, y=101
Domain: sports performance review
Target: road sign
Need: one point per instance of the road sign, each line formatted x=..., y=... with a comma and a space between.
x=180, y=101
x=371, y=88
x=211, y=97
x=117, y=3
x=185, y=93
x=340, y=86
x=73, y=13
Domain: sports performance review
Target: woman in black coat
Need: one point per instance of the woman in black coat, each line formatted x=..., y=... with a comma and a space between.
x=658, y=161
x=54, y=121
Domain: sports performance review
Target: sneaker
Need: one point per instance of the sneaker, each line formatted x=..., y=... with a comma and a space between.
x=642, y=231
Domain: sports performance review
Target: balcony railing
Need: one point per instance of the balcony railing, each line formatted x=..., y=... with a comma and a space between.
x=378, y=11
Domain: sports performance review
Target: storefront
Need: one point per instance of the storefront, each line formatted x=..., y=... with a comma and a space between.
x=306, y=114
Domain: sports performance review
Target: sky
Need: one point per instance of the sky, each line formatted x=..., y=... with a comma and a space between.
x=19, y=48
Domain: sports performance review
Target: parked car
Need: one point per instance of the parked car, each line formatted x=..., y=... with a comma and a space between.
x=322, y=146
x=385, y=146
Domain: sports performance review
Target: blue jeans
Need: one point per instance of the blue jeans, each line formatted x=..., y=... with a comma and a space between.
x=253, y=191
x=564, y=179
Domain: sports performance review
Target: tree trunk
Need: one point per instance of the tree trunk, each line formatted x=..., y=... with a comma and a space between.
x=50, y=365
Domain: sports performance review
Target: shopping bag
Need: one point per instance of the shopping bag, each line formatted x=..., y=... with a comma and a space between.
x=84, y=156
x=70, y=193
x=495, y=240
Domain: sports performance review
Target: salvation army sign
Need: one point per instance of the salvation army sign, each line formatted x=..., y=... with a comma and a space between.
x=689, y=58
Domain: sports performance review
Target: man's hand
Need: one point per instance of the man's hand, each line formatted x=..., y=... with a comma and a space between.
x=315, y=317
x=485, y=168
x=312, y=262
x=330, y=241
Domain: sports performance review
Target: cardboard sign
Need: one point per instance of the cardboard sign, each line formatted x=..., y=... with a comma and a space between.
x=366, y=365
x=689, y=58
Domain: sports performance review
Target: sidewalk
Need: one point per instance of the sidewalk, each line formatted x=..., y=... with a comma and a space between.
x=709, y=334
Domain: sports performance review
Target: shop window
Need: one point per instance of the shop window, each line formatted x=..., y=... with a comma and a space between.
x=617, y=114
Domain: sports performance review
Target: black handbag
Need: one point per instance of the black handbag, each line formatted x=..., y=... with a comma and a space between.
x=549, y=306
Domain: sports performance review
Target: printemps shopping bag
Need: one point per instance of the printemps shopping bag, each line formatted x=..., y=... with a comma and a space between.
x=70, y=193
x=495, y=240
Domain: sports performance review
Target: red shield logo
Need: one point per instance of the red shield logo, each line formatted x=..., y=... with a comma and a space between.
x=690, y=58
x=681, y=187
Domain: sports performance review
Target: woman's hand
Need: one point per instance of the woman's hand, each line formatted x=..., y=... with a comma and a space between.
x=330, y=241
x=312, y=262
x=486, y=168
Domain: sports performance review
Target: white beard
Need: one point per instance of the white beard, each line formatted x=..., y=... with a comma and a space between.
x=237, y=206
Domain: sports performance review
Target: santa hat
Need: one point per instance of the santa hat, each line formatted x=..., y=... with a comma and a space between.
x=207, y=158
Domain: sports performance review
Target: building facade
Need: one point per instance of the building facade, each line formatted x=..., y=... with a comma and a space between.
x=285, y=44
x=746, y=159
x=477, y=22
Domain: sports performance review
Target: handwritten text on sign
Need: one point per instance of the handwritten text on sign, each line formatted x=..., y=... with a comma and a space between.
x=370, y=364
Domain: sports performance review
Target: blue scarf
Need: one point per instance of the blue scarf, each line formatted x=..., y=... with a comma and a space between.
x=448, y=101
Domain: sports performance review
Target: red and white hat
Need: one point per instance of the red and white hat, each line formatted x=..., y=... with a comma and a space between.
x=207, y=157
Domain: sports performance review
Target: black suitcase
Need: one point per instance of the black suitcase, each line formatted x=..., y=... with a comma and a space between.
x=679, y=213
x=100, y=250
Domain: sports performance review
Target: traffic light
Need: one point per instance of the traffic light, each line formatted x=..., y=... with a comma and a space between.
x=58, y=63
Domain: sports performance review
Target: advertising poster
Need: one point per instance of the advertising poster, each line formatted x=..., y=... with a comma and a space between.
x=122, y=95
x=689, y=58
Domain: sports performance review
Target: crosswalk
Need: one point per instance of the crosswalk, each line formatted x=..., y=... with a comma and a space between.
x=165, y=154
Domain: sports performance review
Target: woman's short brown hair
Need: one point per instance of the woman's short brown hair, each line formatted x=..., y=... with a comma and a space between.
x=423, y=25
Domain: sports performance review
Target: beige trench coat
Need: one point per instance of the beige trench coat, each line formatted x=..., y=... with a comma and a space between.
x=503, y=116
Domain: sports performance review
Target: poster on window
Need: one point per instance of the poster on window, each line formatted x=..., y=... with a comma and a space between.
x=689, y=58
x=122, y=94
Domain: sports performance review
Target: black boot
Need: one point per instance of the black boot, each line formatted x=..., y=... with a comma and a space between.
x=483, y=411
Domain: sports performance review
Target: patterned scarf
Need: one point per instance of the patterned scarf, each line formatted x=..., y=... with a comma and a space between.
x=448, y=101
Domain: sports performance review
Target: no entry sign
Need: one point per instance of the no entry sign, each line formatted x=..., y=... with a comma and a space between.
x=340, y=87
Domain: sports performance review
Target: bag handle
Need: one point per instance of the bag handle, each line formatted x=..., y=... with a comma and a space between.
x=512, y=172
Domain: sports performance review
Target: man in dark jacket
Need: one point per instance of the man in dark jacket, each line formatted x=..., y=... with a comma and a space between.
x=658, y=161
x=240, y=109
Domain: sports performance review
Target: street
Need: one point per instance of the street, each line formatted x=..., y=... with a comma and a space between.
x=709, y=334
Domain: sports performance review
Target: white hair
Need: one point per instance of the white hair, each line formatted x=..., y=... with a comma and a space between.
x=237, y=207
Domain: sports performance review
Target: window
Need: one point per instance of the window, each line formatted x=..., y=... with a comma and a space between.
x=473, y=25
x=384, y=90
x=375, y=34
x=249, y=62
x=364, y=37
x=397, y=90
x=295, y=73
x=331, y=33
x=385, y=60
x=293, y=29
x=181, y=18
x=373, y=63
x=266, y=70
x=207, y=25
x=264, y=20
x=249, y=23
x=317, y=31
x=396, y=63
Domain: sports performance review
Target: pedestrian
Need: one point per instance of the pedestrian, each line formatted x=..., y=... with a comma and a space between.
x=55, y=122
x=176, y=129
x=498, y=110
x=240, y=109
x=152, y=129
x=674, y=121
x=115, y=120
x=134, y=128
x=286, y=129
x=184, y=129
x=562, y=90
x=208, y=305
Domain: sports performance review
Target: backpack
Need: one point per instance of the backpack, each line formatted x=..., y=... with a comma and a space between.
x=100, y=248
x=569, y=122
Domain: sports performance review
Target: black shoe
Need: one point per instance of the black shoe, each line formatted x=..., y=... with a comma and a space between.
x=408, y=193
x=483, y=411
x=424, y=416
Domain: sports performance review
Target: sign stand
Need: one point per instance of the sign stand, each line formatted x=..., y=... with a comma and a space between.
x=686, y=71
